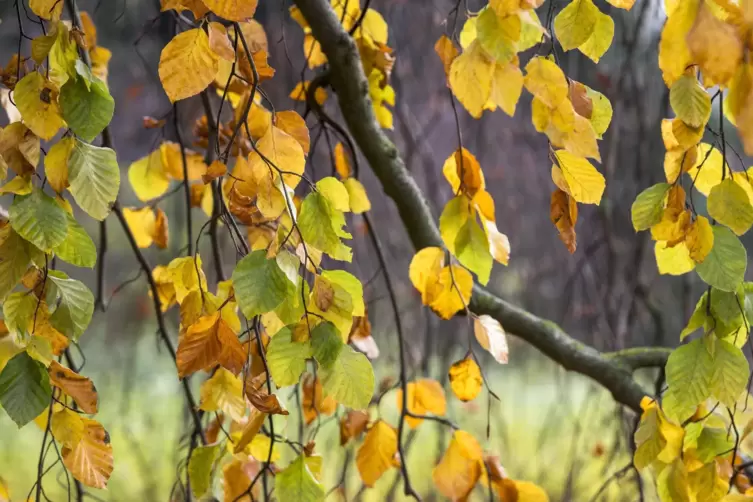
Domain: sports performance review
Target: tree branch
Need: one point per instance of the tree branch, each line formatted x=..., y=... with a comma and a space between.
x=349, y=82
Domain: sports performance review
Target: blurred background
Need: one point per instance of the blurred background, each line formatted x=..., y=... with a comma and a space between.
x=557, y=429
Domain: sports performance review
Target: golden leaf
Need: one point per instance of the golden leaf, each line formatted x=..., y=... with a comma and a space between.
x=378, y=453
x=223, y=392
x=471, y=78
x=90, y=460
x=460, y=468
x=447, y=52
x=187, y=64
x=424, y=396
x=232, y=10
x=465, y=379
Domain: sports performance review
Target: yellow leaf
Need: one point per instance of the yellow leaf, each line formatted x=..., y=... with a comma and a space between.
x=469, y=33
x=707, y=171
x=290, y=122
x=581, y=140
x=90, y=461
x=187, y=64
x=147, y=177
x=56, y=164
x=186, y=275
x=699, y=239
x=223, y=392
x=141, y=223
x=507, y=85
x=715, y=46
x=601, y=38
x=37, y=100
x=575, y=23
x=80, y=388
x=460, y=468
x=622, y=4
x=527, y=491
x=232, y=10
x=585, y=184
x=677, y=161
x=426, y=263
x=335, y=192
x=674, y=55
x=499, y=244
x=301, y=89
x=470, y=78
x=446, y=51
x=673, y=260
x=46, y=9
x=67, y=427
x=197, y=7
x=357, y=197
x=259, y=449
x=250, y=430
x=100, y=59
x=284, y=152
x=445, y=296
x=545, y=80
x=378, y=453
x=491, y=336
x=465, y=379
x=20, y=185
x=424, y=396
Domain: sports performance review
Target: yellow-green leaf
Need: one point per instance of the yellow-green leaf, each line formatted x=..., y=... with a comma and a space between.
x=729, y=204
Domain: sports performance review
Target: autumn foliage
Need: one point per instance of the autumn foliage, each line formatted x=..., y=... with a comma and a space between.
x=289, y=315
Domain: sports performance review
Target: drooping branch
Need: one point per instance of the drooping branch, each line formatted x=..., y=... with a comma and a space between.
x=347, y=78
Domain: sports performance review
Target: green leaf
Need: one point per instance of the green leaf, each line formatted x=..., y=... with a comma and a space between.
x=575, y=23
x=286, y=359
x=25, y=389
x=728, y=204
x=713, y=442
x=296, y=482
x=86, y=107
x=322, y=226
x=472, y=249
x=39, y=219
x=730, y=373
x=74, y=313
x=77, y=248
x=14, y=259
x=200, y=468
x=326, y=344
x=726, y=306
x=698, y=319
x=350, y=380
x=690, y=101
x=94, y=178
x=690, y=369
x=724, y=267
x=351, y=285
x=648, y=207
x=498, y=36
x=293, y=307
x=260, y=285
x=454, y=215
x=18, y=311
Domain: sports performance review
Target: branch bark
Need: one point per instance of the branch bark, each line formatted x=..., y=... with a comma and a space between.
x=349, y=82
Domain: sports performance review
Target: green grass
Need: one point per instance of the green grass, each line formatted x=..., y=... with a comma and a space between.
x=547, y=428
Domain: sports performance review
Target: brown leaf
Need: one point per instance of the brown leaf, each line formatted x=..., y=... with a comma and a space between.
x=352, y=424
x=582, y=104
x=313, y=401
x=214, y=171
x=80, y=388
x=161, y=230
x=152, y=123
x=563, y=213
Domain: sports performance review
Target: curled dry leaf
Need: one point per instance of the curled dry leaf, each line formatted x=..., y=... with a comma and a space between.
x=352, y=424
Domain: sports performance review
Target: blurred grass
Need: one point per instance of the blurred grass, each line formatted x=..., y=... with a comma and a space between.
x=551, y=427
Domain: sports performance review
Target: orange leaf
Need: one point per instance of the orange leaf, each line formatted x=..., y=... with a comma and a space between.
x=352, y=424
x=90, y=461
x=80, y=388
x=460, y=468
x=563, y=213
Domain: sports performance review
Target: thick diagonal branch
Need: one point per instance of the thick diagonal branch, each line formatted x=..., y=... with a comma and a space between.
x=349, y=82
